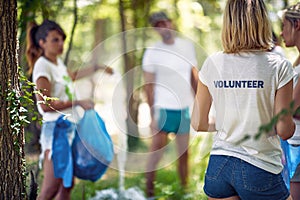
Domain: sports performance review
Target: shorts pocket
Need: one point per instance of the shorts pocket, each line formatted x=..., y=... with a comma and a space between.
x=215, y=166
x=257, y=180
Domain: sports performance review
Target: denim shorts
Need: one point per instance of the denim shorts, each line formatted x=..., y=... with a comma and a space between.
x=175, y=121
x=46, y=137
x=228, y=176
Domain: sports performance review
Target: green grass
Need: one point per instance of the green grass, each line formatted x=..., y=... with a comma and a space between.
x=167, y=184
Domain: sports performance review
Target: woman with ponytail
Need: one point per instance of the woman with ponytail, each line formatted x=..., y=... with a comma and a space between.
x=53, y=81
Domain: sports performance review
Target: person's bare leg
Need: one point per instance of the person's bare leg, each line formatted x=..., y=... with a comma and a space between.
x=50, y=184
x=64, y=193
x=159, y=140
x=295, y=190
x=182, y=141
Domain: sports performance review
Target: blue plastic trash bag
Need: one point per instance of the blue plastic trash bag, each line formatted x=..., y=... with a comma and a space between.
x=92, y=147
x=61, y=151
x=290, y=161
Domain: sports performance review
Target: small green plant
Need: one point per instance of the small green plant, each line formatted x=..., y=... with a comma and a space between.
x=68, y=91
x=17, y=110
x=17, y=101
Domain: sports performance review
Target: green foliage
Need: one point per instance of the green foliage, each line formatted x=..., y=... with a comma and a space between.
x=267, y=128
x=17, y=110
x=202, y=24
x=167, y=184
x=17, y=100
x=270, y=126
x=68, y=91
x=45, y=8
x=200, y=20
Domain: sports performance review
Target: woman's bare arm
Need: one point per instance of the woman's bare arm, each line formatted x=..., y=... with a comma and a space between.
x=44, y=93
x=285, y=127
x=202, y=104
x=78, y=74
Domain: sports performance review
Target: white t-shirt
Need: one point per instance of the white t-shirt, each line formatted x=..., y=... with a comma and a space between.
x=59, y=79
x=172, y=66
x=243, y=89
x=279, y=50
x=295, y=140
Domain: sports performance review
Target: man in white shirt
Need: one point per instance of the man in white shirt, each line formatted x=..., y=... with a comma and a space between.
x=170, y=87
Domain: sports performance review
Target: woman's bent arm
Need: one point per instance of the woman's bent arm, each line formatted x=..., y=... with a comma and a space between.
x=285, y=127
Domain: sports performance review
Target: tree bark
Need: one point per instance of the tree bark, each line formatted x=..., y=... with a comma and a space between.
x=12, y=184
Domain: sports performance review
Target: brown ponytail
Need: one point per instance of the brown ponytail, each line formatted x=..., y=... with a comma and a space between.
x=33, y=50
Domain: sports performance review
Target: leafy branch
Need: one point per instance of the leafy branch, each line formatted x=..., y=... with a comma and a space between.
x=266, y=128
x=46, y=100
x=18, y=101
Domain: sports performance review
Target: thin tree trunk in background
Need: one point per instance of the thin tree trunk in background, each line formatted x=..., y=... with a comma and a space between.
x=131, y=121
x=285, y=3
x=12, y=184
x=99, y=36
x=72, y=32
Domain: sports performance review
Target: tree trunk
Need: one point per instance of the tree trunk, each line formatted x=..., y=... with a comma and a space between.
x=99, y=36
x=12, y=184
x=72, y=33
x=131, y=121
